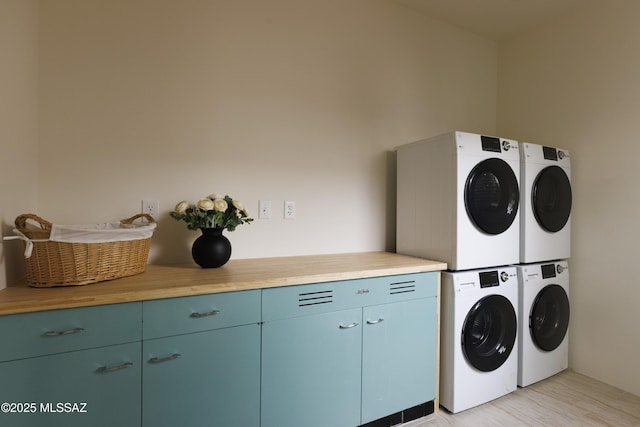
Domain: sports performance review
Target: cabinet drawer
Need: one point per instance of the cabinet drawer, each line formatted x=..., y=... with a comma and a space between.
x=174, y=316
x=49, y=332
x=101, y=384
x=292, y=301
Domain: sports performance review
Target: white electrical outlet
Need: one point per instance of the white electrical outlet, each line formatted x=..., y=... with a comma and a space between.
x=264, y=209
x=151, y=207
x=289, y=210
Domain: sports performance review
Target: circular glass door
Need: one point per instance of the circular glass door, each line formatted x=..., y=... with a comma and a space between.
x=489, y=333
x=551, y=198
x=491, y=196
x=549, y=319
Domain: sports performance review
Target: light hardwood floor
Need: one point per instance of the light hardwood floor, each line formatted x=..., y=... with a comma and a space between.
x=566, y=399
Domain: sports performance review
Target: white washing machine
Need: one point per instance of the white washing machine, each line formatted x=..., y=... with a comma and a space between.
x=457, y=200
x=479, y=323
x=545, y=212
x=543, y=348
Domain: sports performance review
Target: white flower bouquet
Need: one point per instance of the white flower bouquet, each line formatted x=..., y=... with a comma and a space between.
x=213, y=211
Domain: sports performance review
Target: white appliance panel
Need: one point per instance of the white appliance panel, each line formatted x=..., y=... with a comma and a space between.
x=534, y=362
x=463, y=385
x=432, y=218
x=538, y=243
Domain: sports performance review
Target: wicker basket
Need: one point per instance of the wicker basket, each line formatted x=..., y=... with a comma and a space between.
x=64, y=264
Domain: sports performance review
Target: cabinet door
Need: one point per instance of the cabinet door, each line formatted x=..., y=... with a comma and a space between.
x=177, y=316
x=207, y=378
x=311, y=370
x=59, y=331
x=98, y=387
x=399, y=357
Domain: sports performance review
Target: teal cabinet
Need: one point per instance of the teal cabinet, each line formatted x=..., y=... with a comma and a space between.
x=206, y=370
x=399, y=357
x=178, y=316
x=70, y=369
x=58, y=331
x=311, y=370
x=98, y=387
x=347, y=353
x=207, y=378
x=337, y=354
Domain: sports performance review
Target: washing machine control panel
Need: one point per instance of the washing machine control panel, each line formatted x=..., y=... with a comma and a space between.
x=488, y=279
x=550, y=153
x=555, y=154
x=491, y=143
x=550, y=270
x=493, y=278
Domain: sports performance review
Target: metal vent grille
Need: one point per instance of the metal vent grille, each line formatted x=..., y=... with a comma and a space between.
x=402, y=287
x=315, y=298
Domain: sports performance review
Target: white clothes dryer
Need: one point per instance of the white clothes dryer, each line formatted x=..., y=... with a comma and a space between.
x=478, y=351
x=545, y=212
x=457, y=200
x=543, y=348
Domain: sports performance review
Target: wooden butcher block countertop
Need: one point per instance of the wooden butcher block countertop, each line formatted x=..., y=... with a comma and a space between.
x=169, y=281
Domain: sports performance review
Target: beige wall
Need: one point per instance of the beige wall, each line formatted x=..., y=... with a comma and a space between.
x=278, y=100
x=18, y=125
x=302, y=100
x=576, y=84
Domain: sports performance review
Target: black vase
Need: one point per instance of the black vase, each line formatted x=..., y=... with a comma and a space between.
x=212, y=249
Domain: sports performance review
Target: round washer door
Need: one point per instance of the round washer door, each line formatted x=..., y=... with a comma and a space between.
x=551, y=198
x=549, y=319
x=489, y=333
x=491, y=196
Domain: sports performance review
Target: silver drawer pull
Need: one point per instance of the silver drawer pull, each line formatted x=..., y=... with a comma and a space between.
x=60, y=333
x=164, y=359
x=205, y=314
x=373, y=322
x=349, y=326
x=107, y=369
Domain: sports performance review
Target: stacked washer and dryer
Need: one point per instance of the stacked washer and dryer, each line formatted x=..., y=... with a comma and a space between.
x=460, y=198
x=543, y=274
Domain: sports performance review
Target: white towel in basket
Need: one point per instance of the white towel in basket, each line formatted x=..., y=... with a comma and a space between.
x=100, y=233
